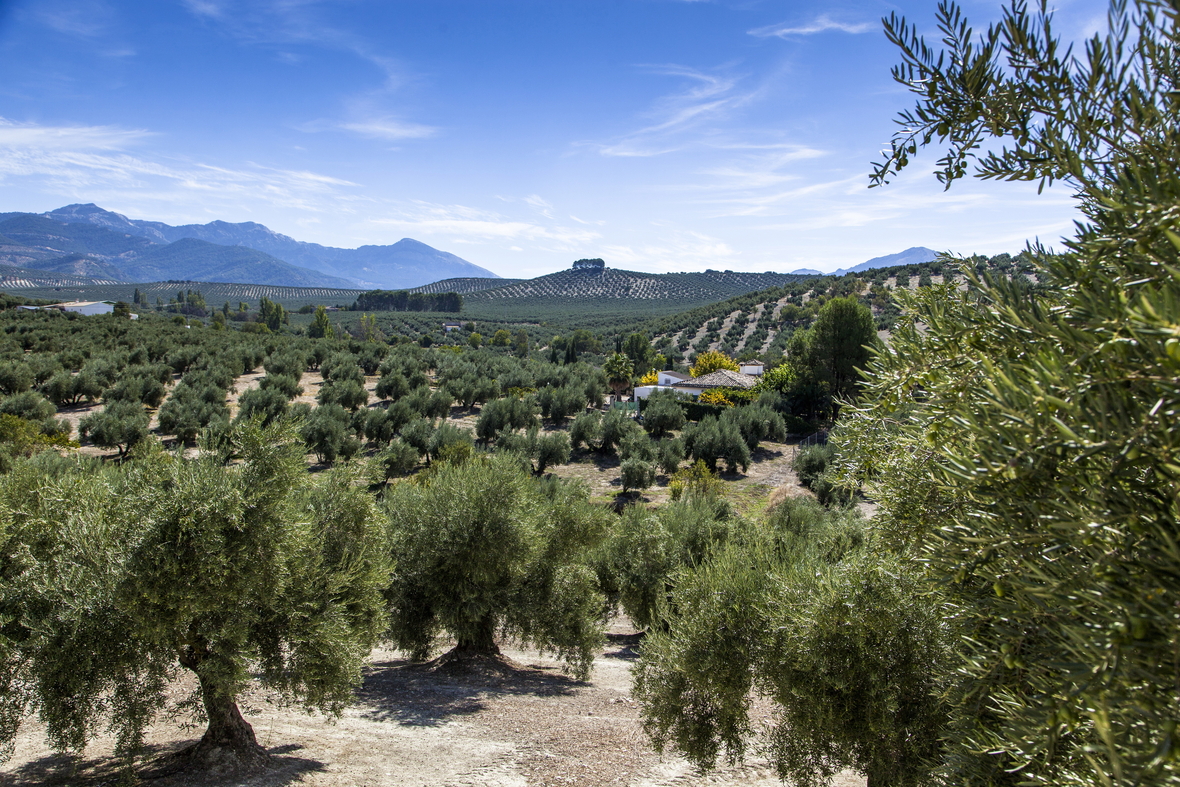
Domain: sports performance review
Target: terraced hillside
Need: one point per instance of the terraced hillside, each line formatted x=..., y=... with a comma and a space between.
x=603, y=299
x=464, y=286
x=760, y=324
x=26, y=280
x=614, y=284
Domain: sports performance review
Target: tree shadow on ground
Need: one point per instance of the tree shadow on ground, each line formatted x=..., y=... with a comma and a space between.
x=623, y=646
x=65, y=769
x=420, y=695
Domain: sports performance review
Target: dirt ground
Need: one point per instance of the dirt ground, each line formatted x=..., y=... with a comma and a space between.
x=769, y=470
x=530, y=726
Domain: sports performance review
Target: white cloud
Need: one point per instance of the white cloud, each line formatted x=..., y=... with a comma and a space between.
x=678, y=252
x=708, y=99
x=463, y=224
x=33, y=136
x=598, y=223
x=90, y=163
x=821, y=24
x=205, y=8
x=388, y=128
x=539, y=204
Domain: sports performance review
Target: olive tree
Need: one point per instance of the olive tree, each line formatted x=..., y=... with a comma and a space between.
x=484, y=550
x=797, y=611
x=120, y=424
x=1032, y=463
x=234, y=572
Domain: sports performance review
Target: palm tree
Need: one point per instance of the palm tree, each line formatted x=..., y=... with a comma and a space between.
x=618, y=370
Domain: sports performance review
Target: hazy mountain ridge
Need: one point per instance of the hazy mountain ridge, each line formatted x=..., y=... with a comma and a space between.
x=915, y=255
x=402, y=265
x=106, y=252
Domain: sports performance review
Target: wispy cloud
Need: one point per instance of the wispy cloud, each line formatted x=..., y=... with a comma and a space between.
x=79, y=18
x=205, y=8
x=463, y=224
x=298, y=23
x=678, y=251
x=539, y=204
x=97, y=162
x=821, y=24
x=707, y=98
x=14, y=135
x=388, y=128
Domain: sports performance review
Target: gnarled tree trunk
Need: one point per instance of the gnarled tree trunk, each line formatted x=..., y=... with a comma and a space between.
x=228, y=744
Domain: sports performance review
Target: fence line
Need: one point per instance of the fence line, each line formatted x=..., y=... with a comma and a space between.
x=817, y=438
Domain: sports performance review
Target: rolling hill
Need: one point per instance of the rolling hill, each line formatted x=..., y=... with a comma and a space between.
x=607, y=284
x=465, y=286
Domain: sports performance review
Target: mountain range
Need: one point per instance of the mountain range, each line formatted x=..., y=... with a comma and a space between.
x=89, y=241
x=914, y=255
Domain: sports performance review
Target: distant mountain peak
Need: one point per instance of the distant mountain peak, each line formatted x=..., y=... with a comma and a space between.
x=406, y=264
x=914, y=255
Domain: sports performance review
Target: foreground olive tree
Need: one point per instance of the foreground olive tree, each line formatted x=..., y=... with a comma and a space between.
x=800, y=611
x=485, y=550
x=1032, y=467
x=112, y=577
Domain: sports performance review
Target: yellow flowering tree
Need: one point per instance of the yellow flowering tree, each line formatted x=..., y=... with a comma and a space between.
x=711, y=361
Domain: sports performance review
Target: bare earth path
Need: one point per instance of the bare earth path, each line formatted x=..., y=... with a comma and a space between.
x=410, y=727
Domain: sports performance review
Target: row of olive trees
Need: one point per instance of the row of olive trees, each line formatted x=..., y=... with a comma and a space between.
x=115, y=575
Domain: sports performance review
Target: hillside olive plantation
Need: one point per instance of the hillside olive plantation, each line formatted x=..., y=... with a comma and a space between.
x=255, y=535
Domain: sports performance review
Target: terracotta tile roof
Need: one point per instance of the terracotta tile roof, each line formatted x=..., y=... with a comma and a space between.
x=722, y=378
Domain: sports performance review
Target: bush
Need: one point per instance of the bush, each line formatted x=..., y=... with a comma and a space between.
x=502, y=415
x=141, y=390
x=585, y=430
x=695, y=481
x=637, y=473
x=669, y=455
x=547, y=450
x=552, y=449
x=287, y=385
x=649, y=546
x=812, y=465
x=15, y=377
x=326, y=431
x=29, y=405
x=616, y=426
x=757, y=422
x=712, y=440
x=266, y=404
x=418, y=433
x=349, y=394
x=392, y=386
x=445, y=436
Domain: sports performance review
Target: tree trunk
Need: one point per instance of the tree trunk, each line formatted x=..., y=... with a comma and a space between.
x=228, y=744
x=481, y=642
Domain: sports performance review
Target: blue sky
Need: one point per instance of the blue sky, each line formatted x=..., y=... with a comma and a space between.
x=660, y=135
